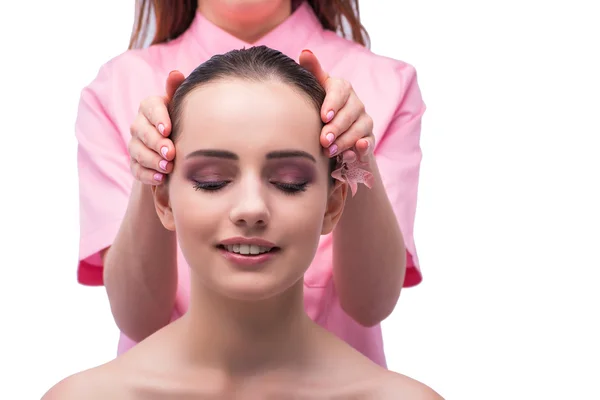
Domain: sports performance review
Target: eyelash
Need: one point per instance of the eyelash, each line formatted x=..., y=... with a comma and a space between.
x=210, y=186
x=287, y=188
x=291, y=188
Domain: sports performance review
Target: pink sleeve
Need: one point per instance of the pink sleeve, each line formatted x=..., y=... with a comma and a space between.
x=104, y=176
x=398, y=154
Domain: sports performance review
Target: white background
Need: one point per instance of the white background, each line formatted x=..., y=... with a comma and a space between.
x=507, y=226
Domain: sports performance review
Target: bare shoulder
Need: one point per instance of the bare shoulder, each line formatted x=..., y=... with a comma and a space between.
x=352, y=375
x=96, y=383
x=394, y=386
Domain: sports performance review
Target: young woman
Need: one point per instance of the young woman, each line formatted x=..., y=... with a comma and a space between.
x=355, y=279
x=249, y=205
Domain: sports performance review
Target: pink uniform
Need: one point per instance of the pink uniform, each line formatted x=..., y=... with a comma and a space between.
x=109, y=104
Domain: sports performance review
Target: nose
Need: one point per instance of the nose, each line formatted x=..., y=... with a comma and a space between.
x=251, y=208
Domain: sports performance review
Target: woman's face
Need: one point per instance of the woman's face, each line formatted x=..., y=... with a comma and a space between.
x=249, y=195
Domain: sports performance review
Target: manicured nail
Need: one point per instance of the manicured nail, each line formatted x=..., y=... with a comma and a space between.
x=333, y=149
x=161, y=129
x=164, y=150
x=163, y=164
x=330, y=115
x=158, y=177
x=330, y=137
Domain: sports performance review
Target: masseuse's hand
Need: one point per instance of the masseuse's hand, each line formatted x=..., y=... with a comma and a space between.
x=150, y=149
x=348, y=128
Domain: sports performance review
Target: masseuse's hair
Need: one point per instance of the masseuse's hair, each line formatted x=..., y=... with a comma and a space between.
x=255, y=64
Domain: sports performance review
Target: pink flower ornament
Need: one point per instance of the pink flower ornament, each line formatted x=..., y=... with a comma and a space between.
x=350, y=170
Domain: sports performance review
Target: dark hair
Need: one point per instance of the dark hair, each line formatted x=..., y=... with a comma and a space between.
x=255, y=64
x=173, y=17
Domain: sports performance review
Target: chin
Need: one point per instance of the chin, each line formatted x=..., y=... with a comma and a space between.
x=253, y=287
x=247, y=9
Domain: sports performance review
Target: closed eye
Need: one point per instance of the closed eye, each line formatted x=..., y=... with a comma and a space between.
x=210, y=186
x=291, y=188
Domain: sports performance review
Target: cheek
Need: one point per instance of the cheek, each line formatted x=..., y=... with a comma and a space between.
x=195, y=215
x=306, y=221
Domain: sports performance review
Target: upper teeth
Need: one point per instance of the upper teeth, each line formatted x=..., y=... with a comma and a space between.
x=247, y=248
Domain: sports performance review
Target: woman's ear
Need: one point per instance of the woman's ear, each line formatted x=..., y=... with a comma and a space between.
x=335, y=206
x=162, y=204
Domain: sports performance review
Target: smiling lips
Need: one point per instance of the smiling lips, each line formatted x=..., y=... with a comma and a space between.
x=247, y=252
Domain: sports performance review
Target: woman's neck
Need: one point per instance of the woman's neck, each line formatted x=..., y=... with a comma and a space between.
x=248, y=25
x=243, y=337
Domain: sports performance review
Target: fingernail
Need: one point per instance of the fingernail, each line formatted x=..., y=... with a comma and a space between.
x=333, y=149
x=330, y=137
x=158, y=177
x=161, y=129
x=163, y=164
x=307, y=50
x=164, y=150
x=330, y=115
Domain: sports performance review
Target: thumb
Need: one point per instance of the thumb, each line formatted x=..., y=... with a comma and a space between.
x=174, y=80
x=309, y=61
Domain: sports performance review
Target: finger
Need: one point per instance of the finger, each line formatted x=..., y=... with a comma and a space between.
x=309, y=61
x=151, y=138
x=360, y=129
x=148, y=158
x=145, y=175
x=154, y=109
x=174, y=80
x=349, y=156
x=364, y=148
x=343, y=120
x=337, y=93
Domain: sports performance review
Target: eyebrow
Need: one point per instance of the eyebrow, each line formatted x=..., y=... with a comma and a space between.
x=213, y=153
x=232, y=156
x=290, y=154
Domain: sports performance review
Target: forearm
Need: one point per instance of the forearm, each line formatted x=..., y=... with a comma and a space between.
x=369, y=256
x=140, y=269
